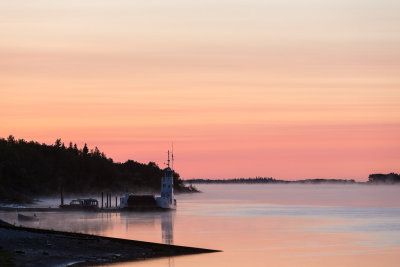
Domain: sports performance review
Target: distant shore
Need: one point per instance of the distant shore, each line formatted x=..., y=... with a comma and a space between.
x=22, y=246
x=268, y=181
x=390, y=178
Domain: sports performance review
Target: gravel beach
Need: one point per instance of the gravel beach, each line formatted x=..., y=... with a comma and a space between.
x=38, y=247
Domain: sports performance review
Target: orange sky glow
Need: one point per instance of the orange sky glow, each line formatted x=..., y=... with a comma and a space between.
x=283, y=89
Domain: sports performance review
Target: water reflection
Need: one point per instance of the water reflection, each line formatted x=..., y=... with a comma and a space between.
x=147, y=226
x=138, y=222
x=167, y=230
x=85, y=222
x=167, y=227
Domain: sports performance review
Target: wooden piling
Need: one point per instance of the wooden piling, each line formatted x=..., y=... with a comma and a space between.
x=116, y=202
x=102, y=195
x=62, y=195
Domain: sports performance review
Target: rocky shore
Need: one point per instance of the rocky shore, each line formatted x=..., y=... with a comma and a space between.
x=22, y=246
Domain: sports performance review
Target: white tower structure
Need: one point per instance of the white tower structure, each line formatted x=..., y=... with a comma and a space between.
x=167, y=200
x=167, y=182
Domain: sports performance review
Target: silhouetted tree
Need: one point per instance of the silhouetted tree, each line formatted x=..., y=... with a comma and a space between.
x=85, y=150
x=11, y=139
x=96, y=152
x=58, y=143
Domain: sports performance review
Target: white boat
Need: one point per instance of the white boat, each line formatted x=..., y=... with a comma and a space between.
x=166, y=200
x=144, y=202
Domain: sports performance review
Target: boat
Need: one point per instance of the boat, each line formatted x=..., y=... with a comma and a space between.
x=82, y=204
x=165, y=201
x=27, y=218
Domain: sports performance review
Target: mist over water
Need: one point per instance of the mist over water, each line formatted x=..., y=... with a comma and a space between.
x=278, y=225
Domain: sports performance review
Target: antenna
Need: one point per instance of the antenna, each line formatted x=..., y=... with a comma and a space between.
x=172, y=156
x=168, y=159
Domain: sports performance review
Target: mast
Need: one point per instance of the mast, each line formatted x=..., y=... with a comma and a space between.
x=168, y=159
x=166, y=200
x=172, y=156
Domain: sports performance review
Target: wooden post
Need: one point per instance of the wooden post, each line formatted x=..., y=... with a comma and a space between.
x=116, y=202
x=102, y=196
x=62, y=195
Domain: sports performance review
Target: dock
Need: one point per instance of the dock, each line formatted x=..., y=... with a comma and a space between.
x=49, y=209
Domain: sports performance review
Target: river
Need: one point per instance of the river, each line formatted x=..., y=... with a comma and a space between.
x=258, y=225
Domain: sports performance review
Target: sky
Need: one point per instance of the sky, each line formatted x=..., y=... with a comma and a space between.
x=272, y=88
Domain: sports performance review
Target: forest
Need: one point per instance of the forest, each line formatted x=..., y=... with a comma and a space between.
x=30, y=169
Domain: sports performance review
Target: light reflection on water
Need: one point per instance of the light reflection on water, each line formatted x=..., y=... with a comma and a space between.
x=147, y=226
x=305, y=226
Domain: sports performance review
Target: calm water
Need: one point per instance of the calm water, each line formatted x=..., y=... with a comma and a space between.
x=259, y=225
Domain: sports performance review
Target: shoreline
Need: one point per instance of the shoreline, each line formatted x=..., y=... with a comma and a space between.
x=42, y=247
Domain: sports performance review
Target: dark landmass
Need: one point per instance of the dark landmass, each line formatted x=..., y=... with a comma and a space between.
x=265, y=180
x=22, y=246
x=391, y=178
x=30, y=169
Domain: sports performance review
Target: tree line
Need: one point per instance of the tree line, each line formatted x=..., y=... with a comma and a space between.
x=29, y=169
x=267, y=180
x=379, y=178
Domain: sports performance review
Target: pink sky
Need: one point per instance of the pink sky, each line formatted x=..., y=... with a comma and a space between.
x=243, y=88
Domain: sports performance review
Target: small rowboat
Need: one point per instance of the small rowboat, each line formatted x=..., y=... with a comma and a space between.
x=27, y=218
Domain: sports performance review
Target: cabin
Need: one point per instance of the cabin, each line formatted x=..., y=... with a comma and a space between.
x=138, y=202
